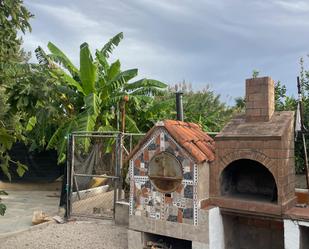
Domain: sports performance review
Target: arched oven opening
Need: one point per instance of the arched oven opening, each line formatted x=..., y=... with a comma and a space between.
x=249, y=180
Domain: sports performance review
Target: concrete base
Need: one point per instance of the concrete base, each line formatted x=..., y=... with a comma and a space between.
x=209, y=234
x=137, y=240
x=199, y=245
x=122, y=213
x=173, y=229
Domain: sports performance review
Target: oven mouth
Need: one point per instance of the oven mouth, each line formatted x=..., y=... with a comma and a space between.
x=248, y=180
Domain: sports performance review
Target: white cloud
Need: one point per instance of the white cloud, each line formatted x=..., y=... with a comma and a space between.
x=298, y=6
x=206, y=41
x=67, y=16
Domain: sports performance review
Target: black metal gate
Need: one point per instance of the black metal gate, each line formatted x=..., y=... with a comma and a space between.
x=94, y=164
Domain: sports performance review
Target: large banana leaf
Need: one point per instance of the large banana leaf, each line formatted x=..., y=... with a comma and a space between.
x=88, y=69
x=114, y=70
x=119, y=81
x=145, y=83
x=42, y=56
x=59, y=57
x=102, y=61
x=86, y=120
x=131, y=125
x=149, y=91
x=111, y=44
x=68, y=80
x=127, y=75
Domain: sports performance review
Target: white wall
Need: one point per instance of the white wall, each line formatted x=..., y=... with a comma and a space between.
x=216, y=232
x=292, y=233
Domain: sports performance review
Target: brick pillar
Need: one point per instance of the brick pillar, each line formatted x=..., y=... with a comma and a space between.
x=260, y=99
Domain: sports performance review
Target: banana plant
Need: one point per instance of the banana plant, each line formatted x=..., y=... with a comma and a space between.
x=90, y=91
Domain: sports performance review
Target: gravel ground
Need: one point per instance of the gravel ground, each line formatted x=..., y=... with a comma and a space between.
x=92, y=234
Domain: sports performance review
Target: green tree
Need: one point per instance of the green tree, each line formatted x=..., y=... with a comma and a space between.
x=202, y=107
x=14, y=17
x=88, y=93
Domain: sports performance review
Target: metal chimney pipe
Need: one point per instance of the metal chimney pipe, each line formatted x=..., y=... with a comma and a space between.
x=179, y=106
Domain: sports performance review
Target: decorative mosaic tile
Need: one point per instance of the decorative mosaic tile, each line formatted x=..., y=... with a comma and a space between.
x=146, y=165
x=168, y=200
x=180, y=215
x=152, y=146
x=180, y=189
x=188, y=213
x=177, y=204
x=172, y=218
x=147, y=184
x=131, y=197
x=195, y=213
x=151, y=154
x=180, y=158
x=141, y=179
x=188, y=191
x=170, y=150
x=146, y=156
x=173, y=210
x=187, y=182
x=136, y=171
x=162, y=142
x=195, y=193
x=158, y=216
x=186, y=163
x=195, y=172
x=145, y=192
x=188, y=203
x=176, y=196
x=162, y=211
x=131, y=171
x=138, y=185
x=188, y=176
x=152, y=215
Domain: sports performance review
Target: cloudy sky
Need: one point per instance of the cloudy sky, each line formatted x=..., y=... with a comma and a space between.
x=205, y=42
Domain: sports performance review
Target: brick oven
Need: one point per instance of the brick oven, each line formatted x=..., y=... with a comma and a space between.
x=169, y=179
x=254, y=167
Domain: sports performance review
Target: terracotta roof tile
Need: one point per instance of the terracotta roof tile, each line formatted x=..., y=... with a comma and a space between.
x=189, y=136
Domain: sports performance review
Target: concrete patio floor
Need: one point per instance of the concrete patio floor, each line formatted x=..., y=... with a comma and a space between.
x=23, y=200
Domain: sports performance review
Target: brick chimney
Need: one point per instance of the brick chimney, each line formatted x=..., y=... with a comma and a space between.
x=260, y=99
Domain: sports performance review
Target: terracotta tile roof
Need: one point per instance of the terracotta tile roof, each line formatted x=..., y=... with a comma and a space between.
x=189, y=136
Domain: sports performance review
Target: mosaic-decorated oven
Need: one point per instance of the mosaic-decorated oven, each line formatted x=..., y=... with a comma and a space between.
x=169, y=177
